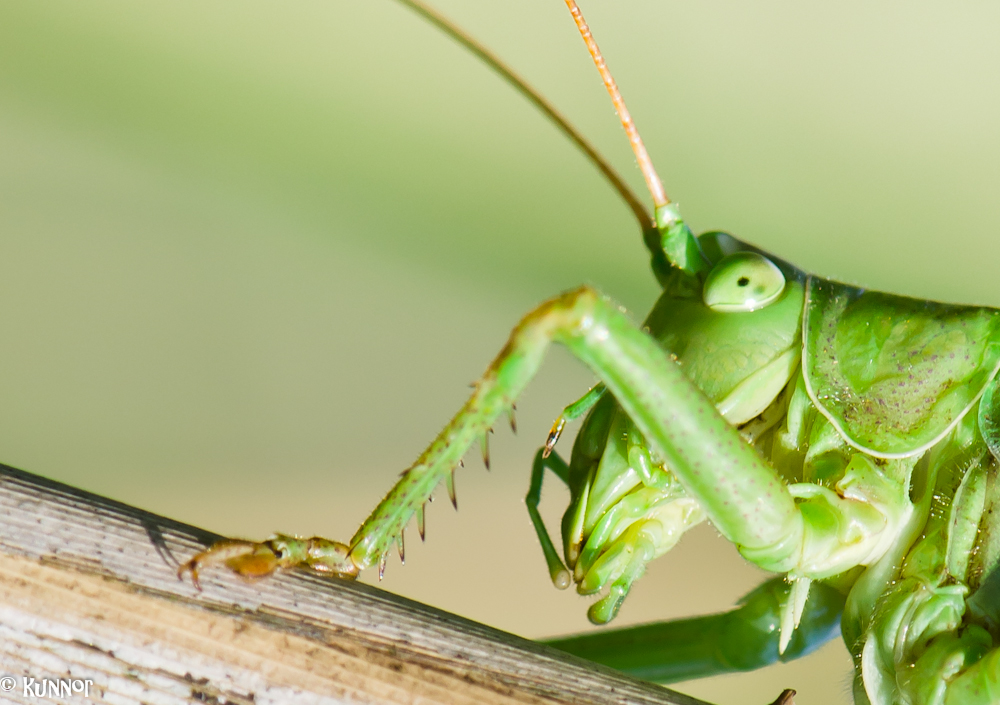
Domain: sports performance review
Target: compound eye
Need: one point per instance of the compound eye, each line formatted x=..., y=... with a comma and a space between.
x=742, y=281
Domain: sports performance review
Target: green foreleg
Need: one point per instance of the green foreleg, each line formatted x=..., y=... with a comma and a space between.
x=557, y=570
x=743, y=496
x=739, y=640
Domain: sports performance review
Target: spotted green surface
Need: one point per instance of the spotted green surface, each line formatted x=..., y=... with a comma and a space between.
x=894, y=373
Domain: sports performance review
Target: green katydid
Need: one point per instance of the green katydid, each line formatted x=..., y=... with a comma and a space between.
x=845, y=438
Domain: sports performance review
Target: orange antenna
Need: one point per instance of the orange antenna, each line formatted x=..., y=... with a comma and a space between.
x=494, y=62
x=653, y=182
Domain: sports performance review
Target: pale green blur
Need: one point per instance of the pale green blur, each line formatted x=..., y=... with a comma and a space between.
x=241, y=237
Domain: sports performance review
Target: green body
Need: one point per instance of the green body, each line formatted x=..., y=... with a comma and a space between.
x=833, y=434
x=845, y=439
x=882, y=408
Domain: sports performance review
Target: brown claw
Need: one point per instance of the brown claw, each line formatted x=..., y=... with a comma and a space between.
x=554, y=433
x=787, y=697
x=248, y=559
x=190, y=566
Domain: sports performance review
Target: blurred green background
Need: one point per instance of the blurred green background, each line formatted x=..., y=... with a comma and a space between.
x=252, y=253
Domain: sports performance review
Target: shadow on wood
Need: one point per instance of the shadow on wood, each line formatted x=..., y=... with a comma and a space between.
x=89, y=592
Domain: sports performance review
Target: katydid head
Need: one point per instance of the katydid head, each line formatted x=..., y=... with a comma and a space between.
x=731, y=318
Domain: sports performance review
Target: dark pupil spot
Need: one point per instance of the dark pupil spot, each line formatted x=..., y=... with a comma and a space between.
x=743, y=281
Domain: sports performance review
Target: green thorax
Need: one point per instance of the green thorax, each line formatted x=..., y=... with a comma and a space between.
x=895, y=374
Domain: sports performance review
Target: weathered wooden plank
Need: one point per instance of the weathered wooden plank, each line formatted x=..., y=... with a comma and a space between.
x=89, y=592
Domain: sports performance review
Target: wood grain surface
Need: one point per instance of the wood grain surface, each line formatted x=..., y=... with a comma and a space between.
x=89, y=592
